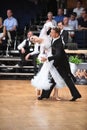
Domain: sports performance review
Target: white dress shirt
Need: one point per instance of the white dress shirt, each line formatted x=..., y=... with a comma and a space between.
x=78, y=11
x=36, y=49
x=22, y=44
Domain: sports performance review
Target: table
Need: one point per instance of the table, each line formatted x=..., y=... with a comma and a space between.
x=76, y=51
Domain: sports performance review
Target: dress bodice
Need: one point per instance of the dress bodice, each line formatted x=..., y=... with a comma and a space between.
x=45, y=46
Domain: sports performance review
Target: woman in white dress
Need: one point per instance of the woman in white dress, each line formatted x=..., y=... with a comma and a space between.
x=42, y=79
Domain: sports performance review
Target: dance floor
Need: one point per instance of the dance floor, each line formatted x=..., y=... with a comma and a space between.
x=20, y=110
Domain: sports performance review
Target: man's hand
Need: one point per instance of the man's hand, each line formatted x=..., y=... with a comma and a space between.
x=22, y=50
x=43, y=59
x=27, y=56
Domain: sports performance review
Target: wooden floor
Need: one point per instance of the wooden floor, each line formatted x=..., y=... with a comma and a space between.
x=19, y=109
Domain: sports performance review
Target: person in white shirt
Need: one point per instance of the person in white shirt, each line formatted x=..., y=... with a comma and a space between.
x=25, y=47
x=33, y=55
x=10, y=22
x=50, y=19
x=70, y=29
x=78, y=10
x=34, y=52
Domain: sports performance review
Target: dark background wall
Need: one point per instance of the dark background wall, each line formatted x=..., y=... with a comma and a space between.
x=26, y=10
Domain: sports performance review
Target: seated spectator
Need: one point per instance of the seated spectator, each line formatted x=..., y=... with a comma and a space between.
x=70, y=29
x=50, y=19
x=78, y=10
x=63, y=33
x=82, y=22
x=34, y=55
x=10, y=24
x=25, y=47
x=73, y=22
x=60, y=15
x=2, y=37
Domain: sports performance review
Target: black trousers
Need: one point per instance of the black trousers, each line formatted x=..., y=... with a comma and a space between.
x=3, y=47
x=68, y=80
x=22, y=56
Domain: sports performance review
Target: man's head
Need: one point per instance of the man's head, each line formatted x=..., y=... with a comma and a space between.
x=79, y=3
x=9, y=13
x=65, y=20
x=60, y=12
x=60, y=25
x=29, y=34
x=55, y=32
x=73, y=16
x=84, y=13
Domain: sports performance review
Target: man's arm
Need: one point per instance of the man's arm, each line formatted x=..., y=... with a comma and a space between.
x=57, y=55
x=21, y=45
x=58, y=52
x=36, y=51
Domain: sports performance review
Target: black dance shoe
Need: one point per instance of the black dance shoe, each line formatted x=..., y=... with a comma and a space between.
x=41, y=98
x=75, y=98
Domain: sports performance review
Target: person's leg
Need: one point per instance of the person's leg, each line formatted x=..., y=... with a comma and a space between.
x=4, y=46
x=73, y=77
x=70, y=84
x=38, y=92
x=13, y=36
x=22, y=56
x=55, y=94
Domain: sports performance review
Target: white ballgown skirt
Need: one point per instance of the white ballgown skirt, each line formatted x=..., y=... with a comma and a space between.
x=42, y=79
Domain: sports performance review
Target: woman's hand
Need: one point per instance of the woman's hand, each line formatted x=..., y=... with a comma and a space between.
x=36, y=39
x=43, y=59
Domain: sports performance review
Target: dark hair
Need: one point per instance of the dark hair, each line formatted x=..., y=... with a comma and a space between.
x=79, y=1
x=57, y=30
x=10, y=10
x=61, y=9
x=74, y=14
x=60, y=22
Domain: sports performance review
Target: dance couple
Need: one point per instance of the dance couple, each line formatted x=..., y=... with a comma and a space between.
x=55, y=71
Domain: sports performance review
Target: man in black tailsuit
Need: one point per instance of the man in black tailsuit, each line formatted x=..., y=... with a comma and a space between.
x=62, y=65
x=63, y=34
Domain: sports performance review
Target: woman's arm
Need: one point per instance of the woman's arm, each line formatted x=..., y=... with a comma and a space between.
x=36, y=39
